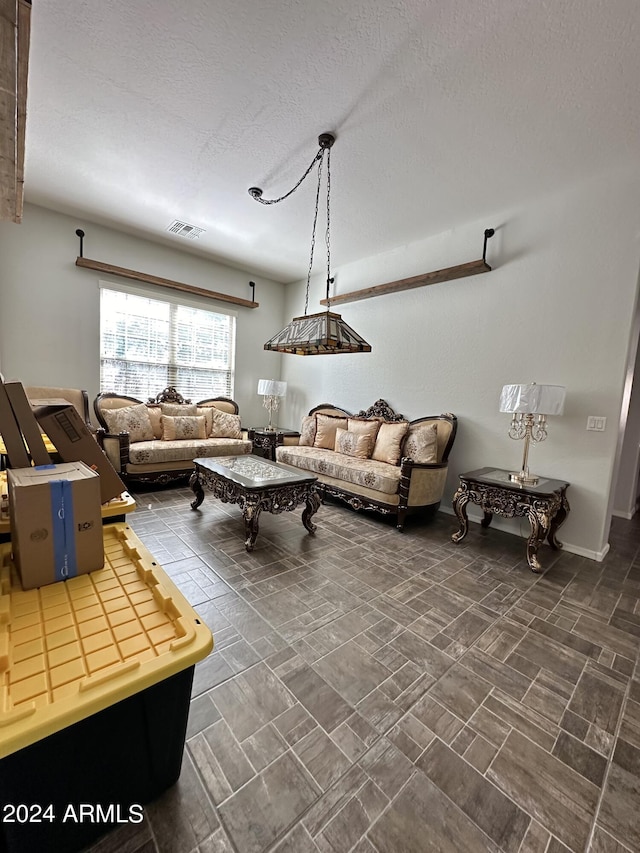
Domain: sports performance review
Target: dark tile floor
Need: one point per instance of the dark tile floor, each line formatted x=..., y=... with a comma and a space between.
x=377, y=691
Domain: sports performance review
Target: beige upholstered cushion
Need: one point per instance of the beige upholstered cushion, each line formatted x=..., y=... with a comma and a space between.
x=365, y=426
x=132, y=419
x=207, y=413
x=421, y=443
x=225, y=425
x=365, y=473
x=164, y=452
x=308, y=431
x=389, y=441
x=185, y=426
x=352, y=444
x=155, y=416
x=175, y=410
x=326, y=427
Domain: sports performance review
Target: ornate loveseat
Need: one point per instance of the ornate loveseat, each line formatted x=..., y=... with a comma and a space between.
x=157, y=441
x=375, y=460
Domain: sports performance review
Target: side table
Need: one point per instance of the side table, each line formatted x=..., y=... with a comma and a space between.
x=545, y=505
x=266, y=440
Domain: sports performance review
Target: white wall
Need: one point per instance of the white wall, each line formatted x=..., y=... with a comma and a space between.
x=557, y=308
x=49, y=308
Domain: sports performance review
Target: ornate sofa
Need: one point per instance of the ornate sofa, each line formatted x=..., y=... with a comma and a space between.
x=157, y=441
x=376, y=460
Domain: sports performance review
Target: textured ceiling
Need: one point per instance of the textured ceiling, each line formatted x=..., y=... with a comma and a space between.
x=142, y=113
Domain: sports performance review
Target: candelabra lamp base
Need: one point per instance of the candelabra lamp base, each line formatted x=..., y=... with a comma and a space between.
x=524, y=478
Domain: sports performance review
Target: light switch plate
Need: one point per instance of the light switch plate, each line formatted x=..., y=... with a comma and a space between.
x=596, y=423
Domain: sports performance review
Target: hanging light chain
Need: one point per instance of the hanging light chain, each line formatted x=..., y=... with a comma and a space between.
x=313, y=232
x=256, y=192
x=328, y=231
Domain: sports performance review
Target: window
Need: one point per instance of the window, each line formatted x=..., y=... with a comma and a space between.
x=147, y=344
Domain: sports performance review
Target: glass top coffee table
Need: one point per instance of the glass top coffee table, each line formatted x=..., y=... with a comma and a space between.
x=256, y=484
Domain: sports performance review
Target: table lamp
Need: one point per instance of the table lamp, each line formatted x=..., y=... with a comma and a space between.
x=271, y=390
x=530, y=405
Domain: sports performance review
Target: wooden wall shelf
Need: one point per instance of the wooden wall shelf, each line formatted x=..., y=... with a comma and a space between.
x=15, y=30
x=448, y=274
x=87, y=263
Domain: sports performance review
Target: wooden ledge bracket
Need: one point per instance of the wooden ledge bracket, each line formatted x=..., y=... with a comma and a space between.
x=123, y=272
x=448, y=274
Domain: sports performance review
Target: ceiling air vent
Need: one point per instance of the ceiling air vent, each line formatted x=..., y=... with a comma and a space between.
x=184, y=230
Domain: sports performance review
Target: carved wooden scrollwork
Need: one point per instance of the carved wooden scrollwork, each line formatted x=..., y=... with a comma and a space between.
x=169, y=395
x=381, y=409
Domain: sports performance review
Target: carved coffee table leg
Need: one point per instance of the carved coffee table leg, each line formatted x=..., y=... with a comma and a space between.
x=460, y=501
x=311, y=507
x=251, y=514
x=558, y=520
x=486, y=519
x=196, y=488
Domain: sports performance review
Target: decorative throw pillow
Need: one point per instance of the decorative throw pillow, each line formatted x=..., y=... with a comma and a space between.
x=225, y=425
x=132, y=419
x=352, y=444
x=207, y=413
x=175, y=410
x=184, y=426
x=307, y=431
x=389, y=441
x=365, y=426
x=155, y=416
x=326, y=426
x=421, y=443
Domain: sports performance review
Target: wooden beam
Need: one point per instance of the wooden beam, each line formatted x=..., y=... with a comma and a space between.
x=15, y=25
x=163, y=282
x=448, y=274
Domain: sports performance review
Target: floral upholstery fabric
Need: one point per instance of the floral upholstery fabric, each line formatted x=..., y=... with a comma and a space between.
x=421, y=443
x=183, y=427
x=389, y=441
x=225, y=425
x=308, y=431
x=132, y=419
x=352, y=444
x=144, y=452
x=378, y=476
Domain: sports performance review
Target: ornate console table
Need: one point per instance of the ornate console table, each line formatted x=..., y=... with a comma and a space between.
x=545, y=505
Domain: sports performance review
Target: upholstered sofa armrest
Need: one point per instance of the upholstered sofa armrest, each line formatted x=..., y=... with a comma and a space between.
x=116, y=448
x=290, y=440
x=421, y=483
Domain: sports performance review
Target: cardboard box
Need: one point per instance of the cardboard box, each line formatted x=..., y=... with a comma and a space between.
x=56, y=522
x=27, y=423
x=71, y=437
x=11, y=434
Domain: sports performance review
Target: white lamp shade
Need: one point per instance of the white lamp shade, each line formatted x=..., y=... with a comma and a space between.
x=533, y=399
x=272, y=387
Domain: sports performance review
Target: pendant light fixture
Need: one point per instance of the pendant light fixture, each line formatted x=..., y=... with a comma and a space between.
x=324, y=333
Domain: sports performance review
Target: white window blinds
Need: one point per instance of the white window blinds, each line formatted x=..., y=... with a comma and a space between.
x=147, y=344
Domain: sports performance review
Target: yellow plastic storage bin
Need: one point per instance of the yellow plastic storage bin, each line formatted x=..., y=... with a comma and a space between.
x=95, y=682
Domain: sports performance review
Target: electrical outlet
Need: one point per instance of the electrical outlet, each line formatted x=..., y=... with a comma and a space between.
x=596, y=423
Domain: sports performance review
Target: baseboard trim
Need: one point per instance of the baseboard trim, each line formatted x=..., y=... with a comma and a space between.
x=619, y=513
x=503, y=525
